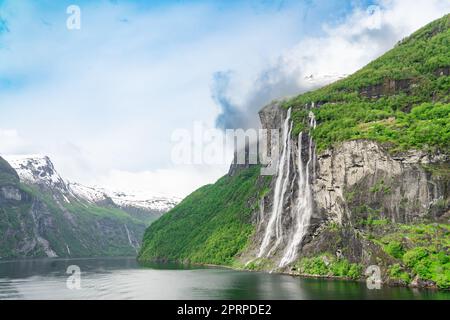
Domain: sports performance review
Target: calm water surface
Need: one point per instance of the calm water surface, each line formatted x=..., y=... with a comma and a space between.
x=123, y=278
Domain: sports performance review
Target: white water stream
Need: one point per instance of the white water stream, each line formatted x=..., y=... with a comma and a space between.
x=274, y=224
x=303, y=206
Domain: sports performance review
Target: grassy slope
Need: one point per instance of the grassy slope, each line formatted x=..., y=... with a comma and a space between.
x=211, y=225
x=8, y=175
x=419, y=250
x=416, y=116
x=403, y=252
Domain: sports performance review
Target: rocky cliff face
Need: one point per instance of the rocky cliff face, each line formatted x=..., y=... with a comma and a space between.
x=401, y=188
x=342, y=187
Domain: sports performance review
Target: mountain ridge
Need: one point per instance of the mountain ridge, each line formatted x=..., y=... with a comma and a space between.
x=42, y=215
x=39, y=170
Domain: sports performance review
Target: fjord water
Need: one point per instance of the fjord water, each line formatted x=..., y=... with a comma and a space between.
x=124, y=278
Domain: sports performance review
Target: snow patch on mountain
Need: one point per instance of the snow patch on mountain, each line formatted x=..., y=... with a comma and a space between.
x=87, y=193
x=140, y=200
x=39, y=170
x=36, y=169
x=144, y=201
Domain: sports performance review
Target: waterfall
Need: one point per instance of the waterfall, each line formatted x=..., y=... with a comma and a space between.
x=129, y=238
x=304, y=204
x=260, y=219
x=274, y=225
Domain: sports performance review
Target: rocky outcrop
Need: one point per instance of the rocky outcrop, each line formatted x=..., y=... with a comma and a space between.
x=360, y=176
x=386, y=88
x=8, y=193
x=442, y=72
x=272, y=116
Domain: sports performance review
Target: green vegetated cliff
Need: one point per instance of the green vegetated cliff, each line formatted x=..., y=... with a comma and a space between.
x=37, y=222
x=401, y=99
x=211, y=225
x=401, y=102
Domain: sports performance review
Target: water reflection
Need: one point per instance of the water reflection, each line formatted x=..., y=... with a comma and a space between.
x=123, y=278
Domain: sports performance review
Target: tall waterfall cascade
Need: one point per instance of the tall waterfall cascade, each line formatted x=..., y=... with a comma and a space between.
x=304, y=204
x=274, y=225
x=300, y=211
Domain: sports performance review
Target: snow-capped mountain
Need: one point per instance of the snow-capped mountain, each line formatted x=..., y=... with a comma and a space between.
x=36, y=170
x=40, y=216
x=124, y=200
x=39, y=171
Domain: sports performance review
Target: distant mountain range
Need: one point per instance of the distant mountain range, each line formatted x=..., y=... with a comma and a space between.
x=43, y=215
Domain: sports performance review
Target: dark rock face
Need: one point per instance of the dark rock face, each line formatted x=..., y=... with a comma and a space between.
x=271, y=117
x=442, y=72
x=388, y=87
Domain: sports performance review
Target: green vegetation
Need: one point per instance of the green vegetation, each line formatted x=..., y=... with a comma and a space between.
x=396, y=272
x=8, y=177
x=407, y=252
x=421, y=250
x=212, y=225
x=400, y=99
x=429, y=265
x=395, y=249
x=380, y=187
x=259, y=264
x=88, y=236
x=367, y=216
x=327, y=265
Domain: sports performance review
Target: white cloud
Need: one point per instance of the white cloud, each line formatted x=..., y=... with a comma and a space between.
x=107, y=98
x=12, y=143
x=179, y=181
x=344, y=48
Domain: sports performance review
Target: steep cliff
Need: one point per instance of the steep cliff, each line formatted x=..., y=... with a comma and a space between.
x=363, y=178
x=367, y=172
x=350, y=204
x=18, y=228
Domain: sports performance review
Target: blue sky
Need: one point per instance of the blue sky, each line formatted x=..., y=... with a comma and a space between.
x=103, y=101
